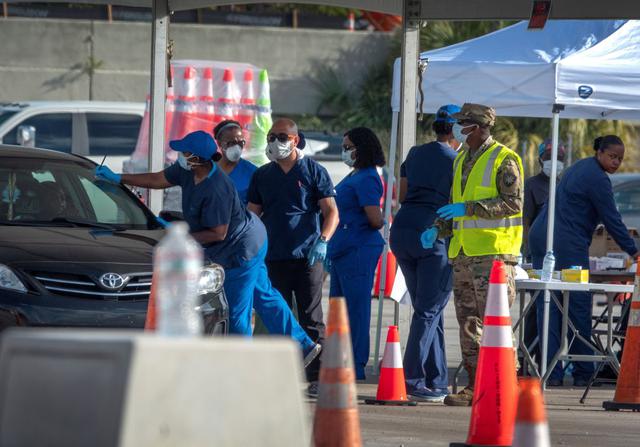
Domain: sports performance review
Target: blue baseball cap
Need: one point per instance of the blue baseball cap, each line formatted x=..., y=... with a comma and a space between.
x=199, y=143
x=445, y=113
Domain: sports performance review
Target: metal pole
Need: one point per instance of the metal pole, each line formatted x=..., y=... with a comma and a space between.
x=523, y=156
x=569, y=159
x=557, y=108
x=159, y=37
x=393, y=144
x=409, y=74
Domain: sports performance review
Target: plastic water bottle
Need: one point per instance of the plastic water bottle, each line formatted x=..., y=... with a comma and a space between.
x=178, y=263
x=547, y=266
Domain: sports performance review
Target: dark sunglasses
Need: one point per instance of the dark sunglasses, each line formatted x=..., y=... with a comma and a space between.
x=281, y=137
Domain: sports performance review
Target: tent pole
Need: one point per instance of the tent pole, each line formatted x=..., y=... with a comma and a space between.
x=159, y=33
x=393, y=144
x=557, y=108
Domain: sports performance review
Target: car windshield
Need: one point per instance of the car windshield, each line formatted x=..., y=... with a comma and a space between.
x=628, y=198
x=62, y=193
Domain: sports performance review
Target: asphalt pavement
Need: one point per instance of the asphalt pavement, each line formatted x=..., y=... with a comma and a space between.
x=571, y=423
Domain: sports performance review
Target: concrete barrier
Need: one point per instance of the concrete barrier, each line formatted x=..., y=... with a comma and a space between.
x=80, y=388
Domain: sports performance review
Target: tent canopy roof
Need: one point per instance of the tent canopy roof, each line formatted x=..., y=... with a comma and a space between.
x=443, y=10
x=523, y=73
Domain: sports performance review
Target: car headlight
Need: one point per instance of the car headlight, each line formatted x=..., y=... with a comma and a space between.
x=211, y=279
x=9, y=280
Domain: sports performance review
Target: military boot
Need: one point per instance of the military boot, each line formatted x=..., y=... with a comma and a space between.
x=460, y=399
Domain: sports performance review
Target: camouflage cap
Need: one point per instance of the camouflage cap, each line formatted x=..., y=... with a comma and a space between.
x=477, y=113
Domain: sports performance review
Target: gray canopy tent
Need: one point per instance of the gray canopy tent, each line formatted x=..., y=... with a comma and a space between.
x=414, y=12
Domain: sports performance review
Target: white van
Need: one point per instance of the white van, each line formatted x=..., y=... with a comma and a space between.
x=89, y=128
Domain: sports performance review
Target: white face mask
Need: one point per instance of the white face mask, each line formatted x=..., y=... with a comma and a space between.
x=546, y=167
x=346, y=158
x=279, y=150
x=233, y=153
x=457, y=132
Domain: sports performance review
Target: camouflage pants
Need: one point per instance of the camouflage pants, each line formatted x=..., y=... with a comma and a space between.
x=470, y=286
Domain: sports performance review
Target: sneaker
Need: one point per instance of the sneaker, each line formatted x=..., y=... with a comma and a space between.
x=311, y=355
x=462, y=399
x=312, y=389
x=428, y=395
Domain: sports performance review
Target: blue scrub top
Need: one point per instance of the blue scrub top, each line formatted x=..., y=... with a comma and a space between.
x=429, y=173
x=361, y=188
x=290, y=209
x=214, y=202
x=241, y=177
x=584, y=198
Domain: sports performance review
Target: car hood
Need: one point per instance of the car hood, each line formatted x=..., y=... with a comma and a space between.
x=29, y=245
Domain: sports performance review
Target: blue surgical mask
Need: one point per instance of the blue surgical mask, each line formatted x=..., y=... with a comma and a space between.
x=457, y=132
x=346, y=158
x=182, y=161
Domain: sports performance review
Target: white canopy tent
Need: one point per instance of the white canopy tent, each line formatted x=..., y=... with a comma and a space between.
x=413, y=12
x=591, y=67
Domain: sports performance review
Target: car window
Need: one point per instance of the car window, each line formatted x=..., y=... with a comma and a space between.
x=53, y=131
x=36, y=191
x=628, y=199
x=112, y=133
x=5, y=115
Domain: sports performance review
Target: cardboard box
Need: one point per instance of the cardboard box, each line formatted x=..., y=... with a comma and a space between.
x=574, y=275
x=602, y=242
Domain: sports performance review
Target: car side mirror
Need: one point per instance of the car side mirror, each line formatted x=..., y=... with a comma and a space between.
x=26, y=136
x=172, y=216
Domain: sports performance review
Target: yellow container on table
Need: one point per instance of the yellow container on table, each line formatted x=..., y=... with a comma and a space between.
x=575, y=275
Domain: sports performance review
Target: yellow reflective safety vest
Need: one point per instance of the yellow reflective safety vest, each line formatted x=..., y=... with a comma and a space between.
x=476, y=236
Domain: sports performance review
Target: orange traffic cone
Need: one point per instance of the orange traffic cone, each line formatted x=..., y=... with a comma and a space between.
x=531, y=420
x=391, y=387
x=152, y=315
x=627, y=395
x=205, y=101
x=248, y=104
x=227, y=105
x=185, y=117
x=336, y=422
x=495, y=396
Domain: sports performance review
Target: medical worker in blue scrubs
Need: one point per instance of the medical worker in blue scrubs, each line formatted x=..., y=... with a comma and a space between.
x=425, y=184
x=584, y=198
x=230, y=235
x=228, y=135
x=356, y=246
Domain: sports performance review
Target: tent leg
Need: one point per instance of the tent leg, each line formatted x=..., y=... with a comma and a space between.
x=409, y=75
x=159, y=33
x=393, y=144
x=557, y=108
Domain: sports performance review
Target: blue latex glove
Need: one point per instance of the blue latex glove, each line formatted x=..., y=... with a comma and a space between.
x=104, y=173
x=163, y=222
x=452, y=210
x=428, y=237
x=318, y=252
x=5, y=195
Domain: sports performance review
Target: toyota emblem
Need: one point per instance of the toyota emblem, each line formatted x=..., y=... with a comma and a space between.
x=112, y=281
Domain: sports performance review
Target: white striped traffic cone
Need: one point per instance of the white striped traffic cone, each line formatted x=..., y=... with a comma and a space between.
x=531, y=421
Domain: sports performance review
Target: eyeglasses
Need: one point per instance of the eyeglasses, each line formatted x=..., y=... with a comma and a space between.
x=347, y=147
x=228, y=144
x=281, y=137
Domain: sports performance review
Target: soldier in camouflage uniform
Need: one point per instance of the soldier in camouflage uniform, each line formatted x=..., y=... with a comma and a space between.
x=471, y=273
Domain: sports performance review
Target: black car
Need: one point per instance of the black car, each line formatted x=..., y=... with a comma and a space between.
x=76, y=251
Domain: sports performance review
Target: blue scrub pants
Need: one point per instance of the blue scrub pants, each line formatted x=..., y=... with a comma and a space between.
x=352, y=277
x=580, y=304
x=428, y=276
x=239, y=286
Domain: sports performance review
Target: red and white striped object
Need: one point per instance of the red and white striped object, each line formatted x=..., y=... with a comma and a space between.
x=495, y=394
